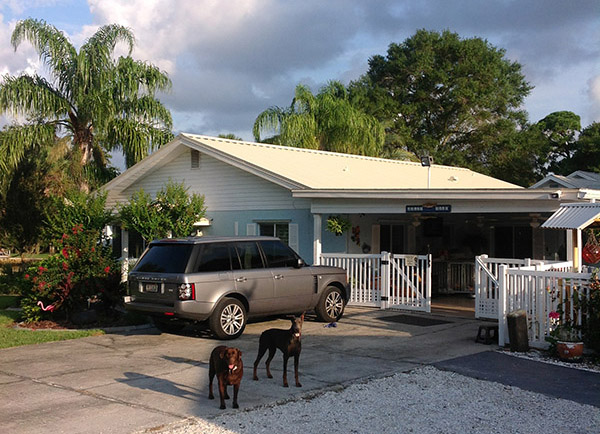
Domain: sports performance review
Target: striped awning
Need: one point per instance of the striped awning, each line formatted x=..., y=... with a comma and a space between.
x=574, y=216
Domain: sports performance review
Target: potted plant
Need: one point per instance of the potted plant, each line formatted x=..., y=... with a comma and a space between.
x=565, y=336
x=337, y=224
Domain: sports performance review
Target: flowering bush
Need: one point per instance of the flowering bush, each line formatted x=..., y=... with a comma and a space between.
x=82, y=272
x=566, y=327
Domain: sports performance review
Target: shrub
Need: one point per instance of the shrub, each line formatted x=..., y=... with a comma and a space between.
x=82, y=272
x=172, y=213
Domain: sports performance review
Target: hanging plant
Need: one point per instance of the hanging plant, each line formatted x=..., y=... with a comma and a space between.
x=337, y=224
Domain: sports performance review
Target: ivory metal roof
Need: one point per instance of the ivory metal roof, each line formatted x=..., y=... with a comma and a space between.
x=574, y=216
x=306, y=168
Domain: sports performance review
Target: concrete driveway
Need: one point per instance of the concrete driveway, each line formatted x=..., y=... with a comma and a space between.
x=125, y=382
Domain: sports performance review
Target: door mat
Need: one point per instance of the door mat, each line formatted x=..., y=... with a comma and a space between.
x=420, y=321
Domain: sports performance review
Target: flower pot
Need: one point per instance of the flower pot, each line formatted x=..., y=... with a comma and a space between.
x=569, y=351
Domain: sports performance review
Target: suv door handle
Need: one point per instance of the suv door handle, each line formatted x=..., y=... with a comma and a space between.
x=241, y=279
x=278, y=276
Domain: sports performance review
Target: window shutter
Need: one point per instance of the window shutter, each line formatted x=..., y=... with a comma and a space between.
x=251, y=229
x=294, y=242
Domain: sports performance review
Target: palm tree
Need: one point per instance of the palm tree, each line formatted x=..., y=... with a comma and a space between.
x=327, y=121
x=99, y=102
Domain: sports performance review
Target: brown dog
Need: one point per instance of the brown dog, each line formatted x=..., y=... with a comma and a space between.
x=226, y=364
x=288, y=341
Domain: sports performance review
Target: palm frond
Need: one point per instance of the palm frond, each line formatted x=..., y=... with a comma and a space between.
x=53, y=47
x=31, y=96
x=16, y=140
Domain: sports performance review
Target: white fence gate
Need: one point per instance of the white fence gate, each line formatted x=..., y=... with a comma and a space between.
x=486, y=279
x=386, y=280
x=538, y=293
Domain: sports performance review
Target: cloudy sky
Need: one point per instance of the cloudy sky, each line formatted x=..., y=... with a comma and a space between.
x=231, y=59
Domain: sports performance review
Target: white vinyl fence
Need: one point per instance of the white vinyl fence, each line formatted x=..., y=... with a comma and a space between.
x=486, y=279
x=386, y=280
x=538, y=293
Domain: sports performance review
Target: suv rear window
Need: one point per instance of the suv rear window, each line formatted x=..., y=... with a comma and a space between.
x=214, y=257
x=165, y=258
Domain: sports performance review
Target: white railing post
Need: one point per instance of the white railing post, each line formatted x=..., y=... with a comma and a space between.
x=428, y=283
x=384, y=279
x=502, y=295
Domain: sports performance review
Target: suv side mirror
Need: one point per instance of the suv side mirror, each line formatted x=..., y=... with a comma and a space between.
x=300, y=263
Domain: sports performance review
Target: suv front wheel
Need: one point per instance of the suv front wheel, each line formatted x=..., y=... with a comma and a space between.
x=228, y=320
x=331, y=305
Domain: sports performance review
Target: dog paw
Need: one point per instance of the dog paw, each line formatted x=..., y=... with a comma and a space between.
x=298, y=385
x=223, y=407
x=211, y=396
x=255, y=378
x=269, y=376
x=285, y=385
x=235, y=405
x=226, y=397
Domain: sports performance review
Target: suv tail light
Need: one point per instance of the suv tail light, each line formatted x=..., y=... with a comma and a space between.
x=187, y=291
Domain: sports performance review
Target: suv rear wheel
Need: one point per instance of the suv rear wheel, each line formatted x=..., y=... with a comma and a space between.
x=331, y=305
x=228, y=320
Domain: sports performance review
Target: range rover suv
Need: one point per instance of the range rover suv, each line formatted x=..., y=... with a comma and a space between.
x=226, y=280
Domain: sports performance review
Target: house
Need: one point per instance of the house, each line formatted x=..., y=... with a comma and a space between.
x=395, y=206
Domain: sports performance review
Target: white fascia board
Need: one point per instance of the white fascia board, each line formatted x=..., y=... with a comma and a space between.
x=398, y=206
x=440, y=195
x=588, y=194
x=240, y=164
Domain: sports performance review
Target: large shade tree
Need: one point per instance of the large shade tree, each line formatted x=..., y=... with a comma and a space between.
x=444, y=96
x=326, y=121
x=100, y=102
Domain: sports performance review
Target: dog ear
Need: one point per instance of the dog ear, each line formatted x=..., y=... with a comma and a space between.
x=239, y=354
x=222, y=353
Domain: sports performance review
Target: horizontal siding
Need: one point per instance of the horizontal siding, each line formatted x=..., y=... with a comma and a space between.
x=225, y=188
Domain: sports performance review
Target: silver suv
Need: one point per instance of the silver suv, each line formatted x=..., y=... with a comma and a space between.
x=227, y=280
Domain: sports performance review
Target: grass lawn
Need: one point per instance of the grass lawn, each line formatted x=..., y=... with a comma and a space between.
x=10, y=337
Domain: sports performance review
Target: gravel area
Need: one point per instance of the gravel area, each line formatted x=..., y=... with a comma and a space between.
x=425, y=400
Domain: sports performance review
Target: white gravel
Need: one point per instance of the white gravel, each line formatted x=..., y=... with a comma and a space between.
x=425, y=400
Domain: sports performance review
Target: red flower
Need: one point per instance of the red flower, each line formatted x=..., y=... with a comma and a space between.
x=42, y=284
x=65, y=266
x=65, y=253
x=27, y=276
x=554, y=315
x=107, y=269
x=42, y=269
x=93, y=249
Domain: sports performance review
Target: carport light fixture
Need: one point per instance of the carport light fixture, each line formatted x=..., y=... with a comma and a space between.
x=426, y=161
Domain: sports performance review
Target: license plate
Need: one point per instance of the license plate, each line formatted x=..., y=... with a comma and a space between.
x=151, y=287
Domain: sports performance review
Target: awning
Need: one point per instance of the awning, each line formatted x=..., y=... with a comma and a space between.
x=574, y=216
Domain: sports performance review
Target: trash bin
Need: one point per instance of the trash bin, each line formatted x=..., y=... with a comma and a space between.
x=517, y=331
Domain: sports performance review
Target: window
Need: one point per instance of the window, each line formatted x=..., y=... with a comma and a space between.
x=249, y=255
x=278, y=254
x=276, y=229
x=214, y=257
x=391, y=238
x=165, y=258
